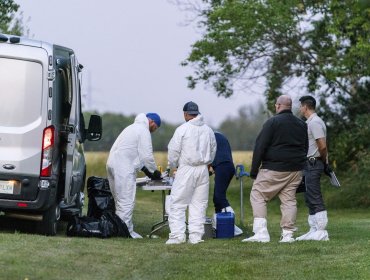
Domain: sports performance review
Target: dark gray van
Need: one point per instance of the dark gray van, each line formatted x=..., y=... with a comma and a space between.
x=42, y=131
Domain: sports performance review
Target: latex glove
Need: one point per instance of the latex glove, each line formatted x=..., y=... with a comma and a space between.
x=157, y=175
x=146, y=172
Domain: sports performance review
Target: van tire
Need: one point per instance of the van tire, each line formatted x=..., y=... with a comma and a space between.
x=49, y=224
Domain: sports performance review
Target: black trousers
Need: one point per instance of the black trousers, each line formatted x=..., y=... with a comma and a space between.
x=313, y=196
x=224, y=172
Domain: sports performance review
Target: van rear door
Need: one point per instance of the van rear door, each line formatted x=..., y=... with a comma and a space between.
x=23, y=115
x=75, y=159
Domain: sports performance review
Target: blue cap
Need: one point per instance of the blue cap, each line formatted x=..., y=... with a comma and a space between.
x=155, y=118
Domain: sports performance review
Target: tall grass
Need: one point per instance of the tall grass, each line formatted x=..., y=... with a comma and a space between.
x=97, y=161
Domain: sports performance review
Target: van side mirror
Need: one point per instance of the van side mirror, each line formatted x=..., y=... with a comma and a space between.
x=94, y=131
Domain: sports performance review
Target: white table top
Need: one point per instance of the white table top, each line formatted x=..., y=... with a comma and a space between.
x=152, y=185
x=156, y=187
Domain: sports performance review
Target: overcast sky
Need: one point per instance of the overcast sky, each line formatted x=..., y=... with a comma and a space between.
x=131, y=51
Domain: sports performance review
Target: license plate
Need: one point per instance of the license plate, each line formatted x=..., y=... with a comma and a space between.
x=6, y=187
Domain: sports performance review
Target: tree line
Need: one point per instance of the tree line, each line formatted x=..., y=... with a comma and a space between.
x=241, y=130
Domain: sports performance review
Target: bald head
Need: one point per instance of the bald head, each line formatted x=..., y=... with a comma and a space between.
x=283, y=102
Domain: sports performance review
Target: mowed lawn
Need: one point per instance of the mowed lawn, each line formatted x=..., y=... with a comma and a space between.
x=24, y=255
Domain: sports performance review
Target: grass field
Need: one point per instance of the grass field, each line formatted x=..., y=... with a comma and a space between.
x=24, y=255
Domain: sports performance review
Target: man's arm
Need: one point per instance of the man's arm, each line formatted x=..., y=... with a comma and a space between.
x=174, y=149
x=262, y=142
x=321, y=144
x=145, y=150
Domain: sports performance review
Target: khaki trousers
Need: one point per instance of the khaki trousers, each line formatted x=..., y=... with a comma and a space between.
x=270, y=183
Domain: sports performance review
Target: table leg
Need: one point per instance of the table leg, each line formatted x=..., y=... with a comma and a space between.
x=156, y=227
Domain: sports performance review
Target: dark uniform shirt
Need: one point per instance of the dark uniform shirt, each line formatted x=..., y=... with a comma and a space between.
x=223, y=152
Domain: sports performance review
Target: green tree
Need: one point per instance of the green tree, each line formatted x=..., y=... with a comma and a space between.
x=324, y=43
x=113, y=124
x=10, y=22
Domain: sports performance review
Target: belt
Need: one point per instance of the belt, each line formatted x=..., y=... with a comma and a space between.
x=314, y=158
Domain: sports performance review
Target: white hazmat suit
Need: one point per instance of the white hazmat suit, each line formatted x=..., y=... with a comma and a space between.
x=191, y=149
x=130, y=152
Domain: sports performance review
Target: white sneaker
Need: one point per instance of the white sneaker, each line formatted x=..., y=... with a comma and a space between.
x=237, y=231
x=172, y=241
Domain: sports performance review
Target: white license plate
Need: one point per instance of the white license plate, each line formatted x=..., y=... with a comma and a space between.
x=6, y=187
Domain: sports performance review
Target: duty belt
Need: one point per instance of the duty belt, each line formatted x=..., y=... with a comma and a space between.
x=312, y=160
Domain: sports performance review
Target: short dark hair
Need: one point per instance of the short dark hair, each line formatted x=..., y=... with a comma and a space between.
x=309, y=101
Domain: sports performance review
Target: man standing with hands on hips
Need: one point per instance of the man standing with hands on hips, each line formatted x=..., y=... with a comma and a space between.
x=317, y=163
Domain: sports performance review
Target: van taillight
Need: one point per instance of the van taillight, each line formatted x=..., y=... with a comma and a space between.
x=47, y=151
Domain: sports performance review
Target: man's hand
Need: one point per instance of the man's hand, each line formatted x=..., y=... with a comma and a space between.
x=211, y=171
x=157, y=175
x=327, y=169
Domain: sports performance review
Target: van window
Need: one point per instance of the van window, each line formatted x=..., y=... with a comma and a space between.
x=20, y=92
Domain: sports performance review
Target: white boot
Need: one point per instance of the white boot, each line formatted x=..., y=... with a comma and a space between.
x=320, y=234
x=237, y=231
x=312, y=223
x=260, y=231
x=228, y=209
x=135, y=235
x=176, y=240
x=287, y=236
x=195, y=238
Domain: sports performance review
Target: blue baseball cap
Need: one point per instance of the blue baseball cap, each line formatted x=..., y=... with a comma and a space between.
x=155, y=118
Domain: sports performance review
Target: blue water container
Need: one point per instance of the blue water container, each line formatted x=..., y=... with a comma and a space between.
x=225, y=225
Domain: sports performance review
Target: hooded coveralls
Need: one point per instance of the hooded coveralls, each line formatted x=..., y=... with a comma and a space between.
x=130, y=152
x=191, y=149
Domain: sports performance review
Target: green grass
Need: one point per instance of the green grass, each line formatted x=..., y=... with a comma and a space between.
x=24, y=255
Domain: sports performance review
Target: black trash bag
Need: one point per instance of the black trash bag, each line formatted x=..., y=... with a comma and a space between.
x=87, y=227
x=117, y=227
x=100, y=197
x=109, y=225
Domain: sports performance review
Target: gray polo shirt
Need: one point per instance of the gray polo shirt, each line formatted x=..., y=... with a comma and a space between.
x=316, y=130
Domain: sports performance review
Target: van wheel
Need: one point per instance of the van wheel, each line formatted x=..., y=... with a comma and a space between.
x=49, y=224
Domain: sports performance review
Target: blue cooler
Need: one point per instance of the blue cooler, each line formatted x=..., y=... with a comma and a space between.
x=225, y=225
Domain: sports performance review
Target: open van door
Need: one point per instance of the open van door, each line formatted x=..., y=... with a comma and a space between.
x=75, y=161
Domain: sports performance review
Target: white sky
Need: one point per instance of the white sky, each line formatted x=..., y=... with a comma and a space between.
x=131, y=51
